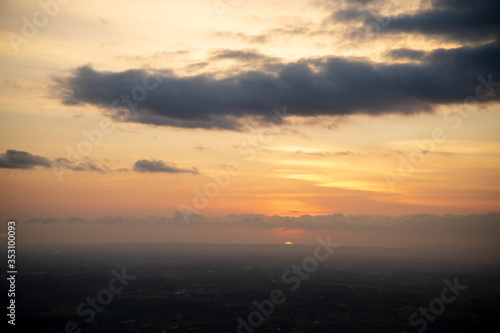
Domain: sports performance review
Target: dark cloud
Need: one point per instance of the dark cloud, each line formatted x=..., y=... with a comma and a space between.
x=312, y=87
x=461, y=20
x=160, y=166
x=406, y=54
x=14, y=159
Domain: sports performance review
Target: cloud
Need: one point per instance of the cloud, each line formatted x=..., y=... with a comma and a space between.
x=350, y=15
x=241, y=55
x=252, y=39
x=237, y=61
x=45, y=220
x=160, y=166
x=324, y=153
x=15, y=159
x=312, y=87
x=84, y=165
x=406, y=54
x=157, y=56
x=460, y=20
x=467, y=231
x=201, y=147
x=485, y=224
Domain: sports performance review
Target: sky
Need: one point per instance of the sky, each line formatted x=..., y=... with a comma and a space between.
x=239, y=121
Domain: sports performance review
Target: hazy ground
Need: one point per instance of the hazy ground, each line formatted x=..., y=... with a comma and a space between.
x=205, y=288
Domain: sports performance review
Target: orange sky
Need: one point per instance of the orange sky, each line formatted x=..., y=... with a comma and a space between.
x=314, y=163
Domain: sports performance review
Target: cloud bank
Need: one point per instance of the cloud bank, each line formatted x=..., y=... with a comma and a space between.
x=485, y=224
x=313, y=87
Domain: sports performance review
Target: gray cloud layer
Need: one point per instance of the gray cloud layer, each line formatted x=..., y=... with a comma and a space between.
x=329, y=86
x=160, y=166
x=462, y=20
x=486, y=224
x=459, y=20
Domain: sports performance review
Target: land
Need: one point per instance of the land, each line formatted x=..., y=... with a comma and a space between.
x=207, y=287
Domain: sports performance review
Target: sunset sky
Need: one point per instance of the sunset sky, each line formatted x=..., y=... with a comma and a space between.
x=259, y=121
